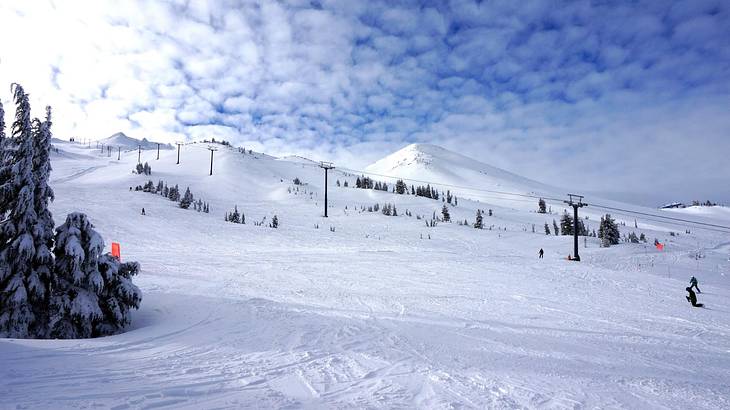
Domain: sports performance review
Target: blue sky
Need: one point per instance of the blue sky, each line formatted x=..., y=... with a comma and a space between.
x=605, y=96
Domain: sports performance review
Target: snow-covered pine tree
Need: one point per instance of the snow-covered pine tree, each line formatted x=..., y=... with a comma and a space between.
x=608, y=231
x=93, y=293
x=43, y=230
x=479, y=223
x=541, y=206
x=400, y=187
x=23, y=290
x=556, y=230
x=275, y=222
x=235, y=217
x=187, y=199
x=547, y=229
x=566, y=224
x=445, y=213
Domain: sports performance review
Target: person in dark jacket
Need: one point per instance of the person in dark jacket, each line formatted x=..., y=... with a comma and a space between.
x=541, y=253
x=693, y=284
x=692, y=298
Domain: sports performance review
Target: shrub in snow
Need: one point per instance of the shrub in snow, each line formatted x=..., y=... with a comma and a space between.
x=93, y=293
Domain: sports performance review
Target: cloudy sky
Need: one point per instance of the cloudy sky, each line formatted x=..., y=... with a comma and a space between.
x=630, y=97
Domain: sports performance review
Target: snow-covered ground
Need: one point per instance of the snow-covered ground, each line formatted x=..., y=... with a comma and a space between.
x=375, y=314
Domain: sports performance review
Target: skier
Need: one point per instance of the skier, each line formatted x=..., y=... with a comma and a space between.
x=693, y=284
x=692, y=298
x=541, y=253
x=143, y=212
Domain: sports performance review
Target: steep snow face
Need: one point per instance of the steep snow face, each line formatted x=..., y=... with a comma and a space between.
x=436, y=164
x=122, y=140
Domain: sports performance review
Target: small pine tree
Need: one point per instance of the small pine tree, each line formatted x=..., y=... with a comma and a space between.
x=556, y=230
x=608, y=231
x=479, y=223
x=445, y=213
x=547, y=229
x=93, y=293
x=275, y=222
x=541, y=207
x=234, y=216
x=187, y=199
x=566, y=224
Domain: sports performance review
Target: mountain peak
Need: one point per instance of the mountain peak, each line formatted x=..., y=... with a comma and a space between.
x=428, y=162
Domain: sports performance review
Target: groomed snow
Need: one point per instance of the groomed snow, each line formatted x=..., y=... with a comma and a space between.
x=371, y=315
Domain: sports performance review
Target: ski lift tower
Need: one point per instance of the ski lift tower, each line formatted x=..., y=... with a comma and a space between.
x=326, y=166
x=179, y=144
x=212, y=150
x=575, y=204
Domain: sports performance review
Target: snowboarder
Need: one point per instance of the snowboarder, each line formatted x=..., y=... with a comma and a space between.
x=143, y=212
x=692, y=298
x=541, y=253
x=693, y=284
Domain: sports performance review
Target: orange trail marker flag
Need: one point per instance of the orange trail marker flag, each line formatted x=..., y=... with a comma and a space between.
x=116, y=250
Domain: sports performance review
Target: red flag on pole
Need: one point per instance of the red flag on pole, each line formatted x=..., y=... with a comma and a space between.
x=659, y=246
x=116, y=251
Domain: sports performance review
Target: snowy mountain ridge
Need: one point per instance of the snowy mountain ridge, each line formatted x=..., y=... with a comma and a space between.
x=439, y=165
x=120, y=139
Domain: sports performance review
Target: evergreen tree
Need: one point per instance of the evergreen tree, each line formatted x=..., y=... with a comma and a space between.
x=556, y=231
x=400, y=187
x=235, y=217
x=43, y=230
x=547, y=229
x=93, y=293
x=275, y=222
x=23, y=289
x=445, y=213
x=608, y=231
x=566, y=224
x=479, y=223
x=541, y=206
x=187, y=199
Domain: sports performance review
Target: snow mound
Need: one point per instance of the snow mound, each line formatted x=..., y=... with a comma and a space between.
x=122, y=140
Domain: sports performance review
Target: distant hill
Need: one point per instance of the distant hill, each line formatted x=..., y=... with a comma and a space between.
x=121, y=140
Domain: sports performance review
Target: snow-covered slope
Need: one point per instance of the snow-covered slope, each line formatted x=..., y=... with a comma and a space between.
x=128, y=143
x=363, y=310
x=433, y=163
x=715, y=212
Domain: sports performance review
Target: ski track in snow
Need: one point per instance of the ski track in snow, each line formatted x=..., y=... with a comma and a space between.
x=370, y=316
